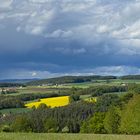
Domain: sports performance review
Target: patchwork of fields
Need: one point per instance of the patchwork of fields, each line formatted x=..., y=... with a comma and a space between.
x=29, y=97
x=39, y=90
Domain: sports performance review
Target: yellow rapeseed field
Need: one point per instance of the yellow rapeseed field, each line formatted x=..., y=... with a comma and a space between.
x=52, y=102
x=91, y=100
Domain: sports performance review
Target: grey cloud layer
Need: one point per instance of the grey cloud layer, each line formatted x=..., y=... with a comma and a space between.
x=78, y=19
x=69, y=33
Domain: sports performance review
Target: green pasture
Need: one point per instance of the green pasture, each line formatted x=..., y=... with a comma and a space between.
x=33, y=136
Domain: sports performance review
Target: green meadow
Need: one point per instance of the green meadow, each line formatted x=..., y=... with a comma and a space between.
x=33, y=136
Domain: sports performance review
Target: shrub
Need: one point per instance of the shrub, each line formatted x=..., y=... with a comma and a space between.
x=21, y=124
x=130, y=122
x=42, y=106
x=6, y=128
x=94, y=124
x=50, y=125
x=65, y=129
x=74, y=97
x=112, y=120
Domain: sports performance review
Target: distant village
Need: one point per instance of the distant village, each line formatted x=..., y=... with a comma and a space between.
x=8, y=90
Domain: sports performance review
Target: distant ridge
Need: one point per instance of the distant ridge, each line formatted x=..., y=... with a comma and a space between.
x=17, y=80
x=70, y=79
x=130, y=77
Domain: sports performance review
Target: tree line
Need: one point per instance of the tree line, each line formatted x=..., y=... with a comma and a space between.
x=109, y=115
x=70, y=79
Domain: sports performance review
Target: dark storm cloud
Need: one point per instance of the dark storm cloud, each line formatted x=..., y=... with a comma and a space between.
x=50, y=38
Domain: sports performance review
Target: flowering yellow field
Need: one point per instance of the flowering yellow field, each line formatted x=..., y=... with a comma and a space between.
x=52, y=102
x=91, y=100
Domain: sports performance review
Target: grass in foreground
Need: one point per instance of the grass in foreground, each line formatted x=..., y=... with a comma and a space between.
x=32, y=136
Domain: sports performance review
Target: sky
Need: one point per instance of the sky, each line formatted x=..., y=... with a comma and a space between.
x=49, y=38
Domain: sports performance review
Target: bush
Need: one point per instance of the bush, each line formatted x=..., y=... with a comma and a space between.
x=10, y=102
x=65, y=129
x=130, y=118
x=6, y=128
x=42, y=106
x=50, y=125
x=21, y=124
x=74, y=97
x=134, y=88
x=94, y=124
x=104, y=102
x=125, y=98
x=112, y=120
